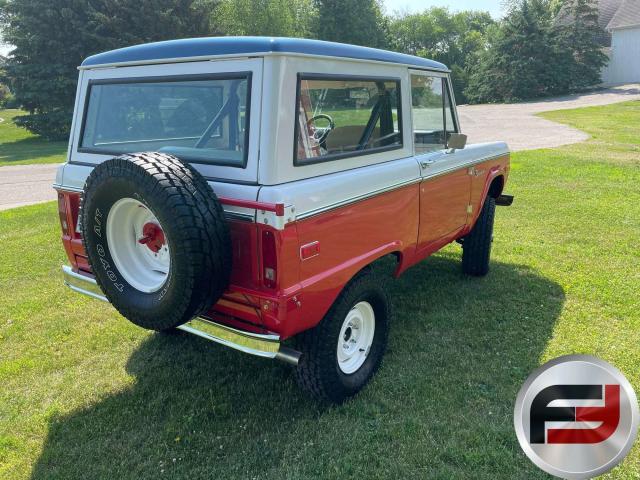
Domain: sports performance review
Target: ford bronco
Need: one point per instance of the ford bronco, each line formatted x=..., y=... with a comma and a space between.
x=240, y=189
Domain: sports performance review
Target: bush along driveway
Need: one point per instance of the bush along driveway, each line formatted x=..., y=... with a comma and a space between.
x=85, y=394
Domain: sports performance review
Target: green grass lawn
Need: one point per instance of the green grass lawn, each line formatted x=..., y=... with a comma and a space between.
x=86, y=395
x=19, y=147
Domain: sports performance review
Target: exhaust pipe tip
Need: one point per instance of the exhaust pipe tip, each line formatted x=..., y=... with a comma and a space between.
x=288, y=355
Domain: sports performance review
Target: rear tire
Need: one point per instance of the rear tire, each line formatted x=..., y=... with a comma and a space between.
x=188, y=228
x=476, y=246
x=331, y=374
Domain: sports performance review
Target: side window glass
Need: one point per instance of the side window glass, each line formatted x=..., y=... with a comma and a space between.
x=339, y=118
x=428, y=119
x=450, y=124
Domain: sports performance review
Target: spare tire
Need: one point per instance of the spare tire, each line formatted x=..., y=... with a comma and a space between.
x=156, y=238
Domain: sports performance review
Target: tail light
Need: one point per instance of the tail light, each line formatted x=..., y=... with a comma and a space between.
x=269, y=260
x=62, y=212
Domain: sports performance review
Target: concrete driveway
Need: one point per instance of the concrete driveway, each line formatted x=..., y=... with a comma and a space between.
x=26, y=184
x=522, y=130
x=516, y=124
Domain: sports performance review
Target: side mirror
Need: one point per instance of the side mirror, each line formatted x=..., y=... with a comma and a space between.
x=457, y=141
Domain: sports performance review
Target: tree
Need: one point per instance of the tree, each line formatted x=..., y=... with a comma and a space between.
x=450, y=38
x=533, y=54
x=284, y=18
x=521, y=61
x=579, y=39
x=359, y=22
x=5, y=93
x=52, y=37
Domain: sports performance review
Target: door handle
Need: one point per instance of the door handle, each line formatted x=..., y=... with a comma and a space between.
x=427, y=163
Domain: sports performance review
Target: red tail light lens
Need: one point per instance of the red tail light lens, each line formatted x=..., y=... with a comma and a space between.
x=269, y=260
x=62, y=212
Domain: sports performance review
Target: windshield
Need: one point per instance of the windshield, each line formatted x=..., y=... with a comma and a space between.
x=203, y=120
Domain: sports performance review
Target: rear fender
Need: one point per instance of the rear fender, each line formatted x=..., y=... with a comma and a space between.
x=319, y=292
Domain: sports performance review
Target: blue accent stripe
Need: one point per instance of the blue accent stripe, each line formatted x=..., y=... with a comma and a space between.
x=205, y=47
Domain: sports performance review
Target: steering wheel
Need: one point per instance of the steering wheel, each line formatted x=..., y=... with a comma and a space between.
x=320, y=134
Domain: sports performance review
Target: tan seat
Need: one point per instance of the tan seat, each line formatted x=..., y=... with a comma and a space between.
x=347, y=138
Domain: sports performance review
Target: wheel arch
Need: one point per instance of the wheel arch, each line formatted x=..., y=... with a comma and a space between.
x=496, y=186
x=390, y=264
x=387, y=260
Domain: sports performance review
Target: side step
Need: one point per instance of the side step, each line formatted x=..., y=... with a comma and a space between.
x=261, y=345
x=504, y=200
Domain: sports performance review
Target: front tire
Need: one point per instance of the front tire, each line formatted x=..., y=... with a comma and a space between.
x=476, y=246
x=341, y=354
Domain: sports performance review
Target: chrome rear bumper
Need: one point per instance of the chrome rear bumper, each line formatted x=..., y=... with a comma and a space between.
x=82, y=283
x=261, y=345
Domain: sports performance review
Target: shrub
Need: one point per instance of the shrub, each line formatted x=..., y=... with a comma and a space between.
x=531, y=55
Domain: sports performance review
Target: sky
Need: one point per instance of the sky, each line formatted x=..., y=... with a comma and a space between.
x=492, y=6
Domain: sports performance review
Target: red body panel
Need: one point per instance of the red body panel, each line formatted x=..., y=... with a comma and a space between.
x=443, y=208
x=350, y=238
x=317, y=256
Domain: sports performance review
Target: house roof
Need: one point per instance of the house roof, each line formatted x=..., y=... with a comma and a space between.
x=230, y=46
x=627, y=15
x=606, y=11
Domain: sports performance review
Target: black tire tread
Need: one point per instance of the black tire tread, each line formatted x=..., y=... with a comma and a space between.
x=316, y=371
x=476, y=246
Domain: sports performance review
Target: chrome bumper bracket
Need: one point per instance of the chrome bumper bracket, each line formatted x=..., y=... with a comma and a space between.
x=82, y=284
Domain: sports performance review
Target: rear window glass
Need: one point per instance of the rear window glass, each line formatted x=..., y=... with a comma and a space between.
x=202, y=120
x=340, y=118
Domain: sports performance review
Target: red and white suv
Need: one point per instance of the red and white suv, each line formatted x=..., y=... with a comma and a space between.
x=240, y=189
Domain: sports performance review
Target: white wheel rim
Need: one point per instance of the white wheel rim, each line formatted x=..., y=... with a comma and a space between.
x=143, y=268
x=356, y=337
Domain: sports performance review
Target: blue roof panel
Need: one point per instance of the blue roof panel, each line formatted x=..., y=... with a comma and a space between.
x=212, y=46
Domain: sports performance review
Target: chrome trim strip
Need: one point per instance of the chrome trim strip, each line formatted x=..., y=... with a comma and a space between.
x=347, y=201
x=261, y=345
x=395, y=186
x=82, y=284
x=59, y=187
x=243, y=217
x=462, y=165
x=358, y=198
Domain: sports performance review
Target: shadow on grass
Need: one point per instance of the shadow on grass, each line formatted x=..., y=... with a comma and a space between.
x=30, y=149
x=459, y=350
